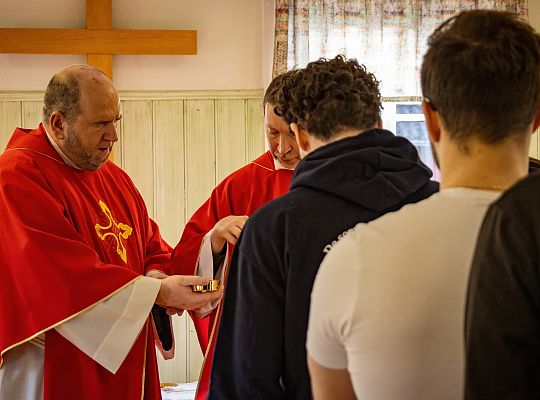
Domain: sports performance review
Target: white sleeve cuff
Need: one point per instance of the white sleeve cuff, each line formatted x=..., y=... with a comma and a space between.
x=206, y=269
x=107, y=331
x=205, y=264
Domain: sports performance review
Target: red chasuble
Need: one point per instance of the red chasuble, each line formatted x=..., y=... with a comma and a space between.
x=70, y=239
x=241, y=193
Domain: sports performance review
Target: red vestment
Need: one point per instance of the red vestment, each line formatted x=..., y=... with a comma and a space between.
x=69, y=240
x=241, y=193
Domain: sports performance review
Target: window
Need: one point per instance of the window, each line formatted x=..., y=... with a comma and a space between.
x=406, y=119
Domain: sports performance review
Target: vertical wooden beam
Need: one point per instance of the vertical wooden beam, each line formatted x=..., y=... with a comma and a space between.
x=99, y=16
x=102, y=62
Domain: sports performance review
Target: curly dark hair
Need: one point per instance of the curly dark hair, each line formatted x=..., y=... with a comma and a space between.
x=482, y=74
x=329, y=96
x=277, y=85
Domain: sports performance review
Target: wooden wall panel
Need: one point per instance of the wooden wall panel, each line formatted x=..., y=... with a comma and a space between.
x=255, y=138
x=10, y=118
x=200, y=152
x=137, y=148
x=31, y=113
x=230, y=137
x=169, y=156
x=200, y=180
x=116, y=155
x=169, y=200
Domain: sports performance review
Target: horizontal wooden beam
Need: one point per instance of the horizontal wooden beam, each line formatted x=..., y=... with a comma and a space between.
x=97, y=41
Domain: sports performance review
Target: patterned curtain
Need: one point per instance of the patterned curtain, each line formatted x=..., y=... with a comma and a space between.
x=388, y=36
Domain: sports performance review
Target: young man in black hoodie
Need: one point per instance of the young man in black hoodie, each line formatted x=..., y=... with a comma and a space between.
x=351, y=172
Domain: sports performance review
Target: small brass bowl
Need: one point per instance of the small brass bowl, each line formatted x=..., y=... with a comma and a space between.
x=211, y=286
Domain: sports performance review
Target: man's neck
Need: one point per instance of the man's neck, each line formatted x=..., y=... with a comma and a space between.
x=483, y=166
x=56, y=146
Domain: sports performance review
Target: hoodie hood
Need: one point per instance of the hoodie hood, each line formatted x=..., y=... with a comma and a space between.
x=374, y=169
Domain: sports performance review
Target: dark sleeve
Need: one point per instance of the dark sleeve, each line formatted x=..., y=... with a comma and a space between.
x=502, y=330
x=249, y=347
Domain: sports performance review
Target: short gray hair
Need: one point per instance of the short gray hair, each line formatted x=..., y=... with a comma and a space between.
x=63, y=95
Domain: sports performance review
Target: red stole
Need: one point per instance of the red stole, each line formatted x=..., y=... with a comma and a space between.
x=68, y=240
x=241, y=193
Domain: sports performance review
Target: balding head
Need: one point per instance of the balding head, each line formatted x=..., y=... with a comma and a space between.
x=63, y=92
x=81, y=111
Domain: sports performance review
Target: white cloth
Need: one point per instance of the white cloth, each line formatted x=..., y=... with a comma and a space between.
x=180, y=391
x=205, y=268
x=105, y=332
x=21, y=375
x=388, y=302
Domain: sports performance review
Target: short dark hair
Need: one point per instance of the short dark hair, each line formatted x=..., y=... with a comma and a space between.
x=277, y=84
x=328, y=96
x=63, y=95
x=482, y=74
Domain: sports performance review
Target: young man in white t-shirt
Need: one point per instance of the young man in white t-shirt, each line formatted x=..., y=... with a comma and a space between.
x=386, y=318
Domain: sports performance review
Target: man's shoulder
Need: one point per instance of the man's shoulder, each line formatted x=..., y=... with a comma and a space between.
x=526, y=192
x=26, y=161
x=521, y=202
x=29, y=146
x=276, y=208
x=255, y=173
x=259, y=166
x=269, y=220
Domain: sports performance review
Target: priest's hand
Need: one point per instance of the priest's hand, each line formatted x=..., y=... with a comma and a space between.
x=227, y=229
x=176, y=293
x=154, y=273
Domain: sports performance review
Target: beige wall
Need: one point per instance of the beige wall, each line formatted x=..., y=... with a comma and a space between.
x=233, y=51
x=534, y=14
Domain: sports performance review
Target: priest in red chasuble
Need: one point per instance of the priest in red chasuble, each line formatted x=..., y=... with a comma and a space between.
x=79, y=256
x=209, y=236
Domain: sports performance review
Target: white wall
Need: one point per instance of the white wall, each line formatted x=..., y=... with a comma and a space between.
x=235, y=39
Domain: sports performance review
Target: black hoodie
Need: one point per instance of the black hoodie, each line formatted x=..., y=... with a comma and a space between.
x=260, y=350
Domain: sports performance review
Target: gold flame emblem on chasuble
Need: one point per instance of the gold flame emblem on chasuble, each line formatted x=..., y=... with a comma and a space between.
x=118, y=231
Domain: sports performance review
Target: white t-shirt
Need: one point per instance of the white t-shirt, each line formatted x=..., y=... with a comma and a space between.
x=388, y=301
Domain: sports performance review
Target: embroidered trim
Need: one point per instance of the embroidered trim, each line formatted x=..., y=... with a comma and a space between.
x=61, y=322
x=144, y=360
x=38, y=152
x=216, y=320
x=262, y=166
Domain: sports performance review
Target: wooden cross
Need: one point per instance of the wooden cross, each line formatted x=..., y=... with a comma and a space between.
x=98, y=41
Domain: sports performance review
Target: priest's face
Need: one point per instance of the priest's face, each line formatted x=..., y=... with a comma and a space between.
x=90, y=136
x=280, y=139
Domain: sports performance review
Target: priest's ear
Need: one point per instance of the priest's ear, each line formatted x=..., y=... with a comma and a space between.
x=58, y=125
x=301, y=138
